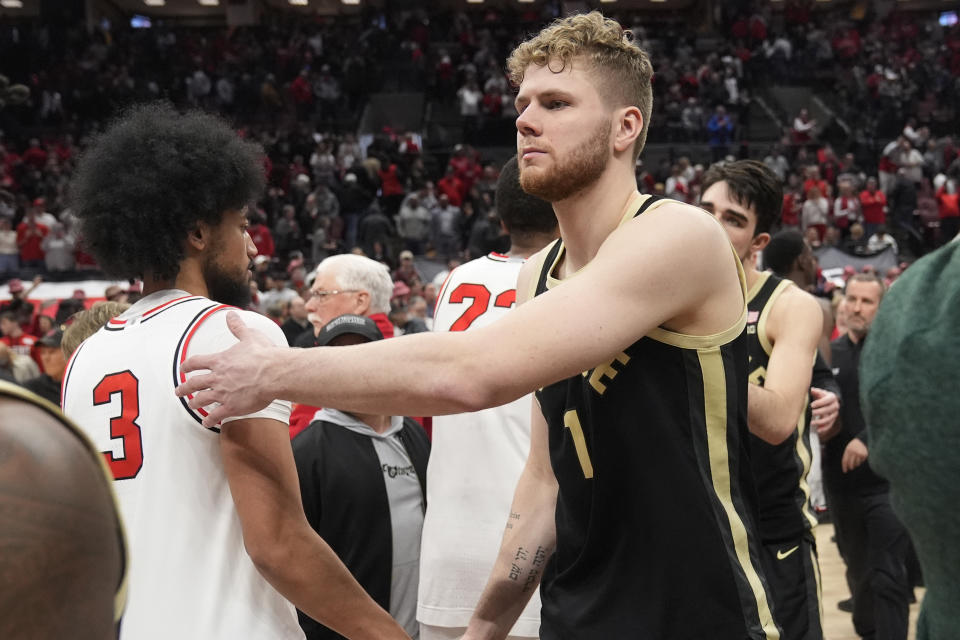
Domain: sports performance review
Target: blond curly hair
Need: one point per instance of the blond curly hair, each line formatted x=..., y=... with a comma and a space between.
x=623, y=69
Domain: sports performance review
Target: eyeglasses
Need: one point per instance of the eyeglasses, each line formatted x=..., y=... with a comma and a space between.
x=323, y=295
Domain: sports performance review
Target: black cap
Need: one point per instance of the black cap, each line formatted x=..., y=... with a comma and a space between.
x=51, y=339
x=348, y=324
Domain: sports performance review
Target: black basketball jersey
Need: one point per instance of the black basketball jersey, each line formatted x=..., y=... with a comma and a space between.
x=780, y=471
x=656, y=509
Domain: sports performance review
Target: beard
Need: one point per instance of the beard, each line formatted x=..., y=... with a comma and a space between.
x=572, y=174
x=224, y=287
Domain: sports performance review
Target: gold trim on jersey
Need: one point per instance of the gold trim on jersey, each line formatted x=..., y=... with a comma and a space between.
x=715, y=414
x=629, y=211
x=12, y=390
x=806, y=460
x=816, y=572
x=755, y=289
x=765, y=343
x=685, y=341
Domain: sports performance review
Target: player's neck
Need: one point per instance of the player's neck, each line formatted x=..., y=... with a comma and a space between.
x=750, y=273
x=187, y=279
x=588, y=217
x=525, y=245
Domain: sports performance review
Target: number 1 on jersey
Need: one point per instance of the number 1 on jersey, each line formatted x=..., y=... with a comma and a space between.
x=572, y=421
x=123, y=426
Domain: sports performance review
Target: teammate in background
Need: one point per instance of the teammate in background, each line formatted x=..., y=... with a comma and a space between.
x=62, y=554
x=636, y=506
x=477, y=457
x=218, y=535
x=783, y=327
x=789, y=256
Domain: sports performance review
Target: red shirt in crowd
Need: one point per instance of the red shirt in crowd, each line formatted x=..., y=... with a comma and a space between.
x=872, y=205
x=790, y=215
x=262, y=239
x=948, y=204
x=30, y=241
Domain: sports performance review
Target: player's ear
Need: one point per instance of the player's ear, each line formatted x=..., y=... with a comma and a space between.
x=628, y=130
x=759, y=242
x=199, y=236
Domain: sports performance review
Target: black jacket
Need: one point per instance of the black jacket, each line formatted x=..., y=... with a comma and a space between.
x=862, y=480
x=345, y=500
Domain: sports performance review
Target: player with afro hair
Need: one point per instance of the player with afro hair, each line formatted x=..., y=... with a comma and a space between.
x=144, y=185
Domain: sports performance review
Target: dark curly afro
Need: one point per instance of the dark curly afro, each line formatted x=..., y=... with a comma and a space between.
x=146, y=182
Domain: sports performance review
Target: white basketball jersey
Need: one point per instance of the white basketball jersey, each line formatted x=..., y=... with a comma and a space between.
x=190, y=576
x=475, y=462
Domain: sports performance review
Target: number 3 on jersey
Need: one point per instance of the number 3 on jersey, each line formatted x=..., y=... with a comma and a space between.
x=125, y=425
x=481, y=302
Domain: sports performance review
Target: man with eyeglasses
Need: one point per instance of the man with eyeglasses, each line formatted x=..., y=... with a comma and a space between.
x=353, y=284
x=344, y=284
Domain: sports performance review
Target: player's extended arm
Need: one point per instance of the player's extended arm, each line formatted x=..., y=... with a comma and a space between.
x=528, y=541
x=794, y=329
x=259, y=464
x=643, y=276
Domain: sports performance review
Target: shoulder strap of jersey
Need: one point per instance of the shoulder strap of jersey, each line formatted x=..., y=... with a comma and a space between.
x=646, y=204
x=763, y=302
x=549, y=259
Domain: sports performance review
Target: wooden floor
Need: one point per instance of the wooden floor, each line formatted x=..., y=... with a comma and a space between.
x=836, y=623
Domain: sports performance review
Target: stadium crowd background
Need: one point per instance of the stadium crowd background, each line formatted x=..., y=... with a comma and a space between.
x=852, y=105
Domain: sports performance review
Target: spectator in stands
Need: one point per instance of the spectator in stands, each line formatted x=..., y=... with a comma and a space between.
x=815, y=212
x=30, y=235
x=414, y=222
x=276, y=293
x=804, y=128
x=692, y=118
x=14, y=336
x=902, y=201
x=406, y=272
x=948, y=209
x=297, y=321
x=873, y=203
x=451, y=186
x=856, y=241
x=371, y=469
x=676, y=186
x=355, y=199
x=470, y=98
x=260, y=234
x=880, y=240
x=54, y=363
x=287, y=234
x=720, y=130
x=58, y=249
x=446, y=223
x=375, y=228
x=9, y=251
x=908, y=160
x=846, y=208
x=777, y=162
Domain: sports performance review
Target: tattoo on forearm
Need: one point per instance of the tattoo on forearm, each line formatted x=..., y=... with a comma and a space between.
x=513, y=516
x=533, y=576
